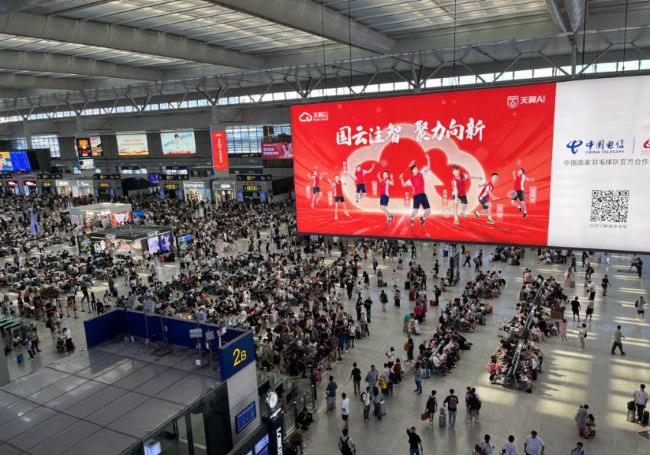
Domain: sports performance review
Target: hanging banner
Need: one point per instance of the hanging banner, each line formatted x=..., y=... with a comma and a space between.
x=219, y=144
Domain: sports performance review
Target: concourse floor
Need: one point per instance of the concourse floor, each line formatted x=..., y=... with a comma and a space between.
x=571, y=377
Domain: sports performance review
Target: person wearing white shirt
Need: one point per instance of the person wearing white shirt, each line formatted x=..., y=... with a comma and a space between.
x=509, y=448
x=345, y=410
x=534, y=445
x=640, y=400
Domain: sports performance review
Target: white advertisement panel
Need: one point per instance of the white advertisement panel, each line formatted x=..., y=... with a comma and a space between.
x=132, y=144
x=600, y=193
x=178, y=142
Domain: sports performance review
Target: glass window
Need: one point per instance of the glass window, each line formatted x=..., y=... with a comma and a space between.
x=49, y=141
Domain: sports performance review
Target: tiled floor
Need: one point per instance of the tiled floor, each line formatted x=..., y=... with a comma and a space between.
x=570, y=377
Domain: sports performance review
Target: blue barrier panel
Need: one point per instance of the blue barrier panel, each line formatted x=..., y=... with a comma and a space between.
x=104, y=327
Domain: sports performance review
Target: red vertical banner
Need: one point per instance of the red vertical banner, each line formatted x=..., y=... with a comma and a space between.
x=219, y=150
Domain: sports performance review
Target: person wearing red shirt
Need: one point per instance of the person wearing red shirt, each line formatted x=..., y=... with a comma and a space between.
x=520, y=178
x=316, y=193
x=419, y=196
x=386, y=182
x=485, y=196
x=337, y=186
x=459, y=191
x=359, y=176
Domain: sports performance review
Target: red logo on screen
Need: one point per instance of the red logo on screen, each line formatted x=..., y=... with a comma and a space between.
x=513, y=101
x=646, y=144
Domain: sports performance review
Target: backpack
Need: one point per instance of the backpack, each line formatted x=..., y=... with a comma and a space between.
x=476, y=404
x=482, y=449
x=345, y=446
x=382, y=382
x=363, y=396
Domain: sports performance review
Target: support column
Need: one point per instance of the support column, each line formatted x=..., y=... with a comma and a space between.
x=27, y=134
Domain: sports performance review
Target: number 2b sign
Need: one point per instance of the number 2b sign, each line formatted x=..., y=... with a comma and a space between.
x=235, y=355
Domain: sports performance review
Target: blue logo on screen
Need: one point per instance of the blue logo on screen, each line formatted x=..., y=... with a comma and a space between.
x=574, y=145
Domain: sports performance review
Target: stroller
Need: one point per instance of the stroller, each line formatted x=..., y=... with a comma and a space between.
x=60, y=344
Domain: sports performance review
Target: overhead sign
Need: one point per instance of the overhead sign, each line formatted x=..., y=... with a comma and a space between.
x=548, y=164
x=179, y=142
x=236, y=355
x=83, y=147
x=254, y=178
x=132, y=144
x=219, y=144
x=96, y=146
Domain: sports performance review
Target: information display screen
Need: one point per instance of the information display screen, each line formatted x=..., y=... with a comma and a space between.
x=277, y=150
x=14, y=161
x=547, y=164
x=165, y=241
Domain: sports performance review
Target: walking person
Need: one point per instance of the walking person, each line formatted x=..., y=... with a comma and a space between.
x=346, y=444
x=618, y=336
x=485, y=447
x=509, y=448
x=451, y=403
x=563, y=329
x=415, y=443
x=575, y=309
x=418, y=378
x=640, y=401
x=578, y=450
x=355, y=375
x=365, y=399
x=33, y=336
x=330, y=395
x=372, y=378
x=345, y=410
x=432, y=405
x=581, y=419
x=605, y=284
x=639, y=305
x=533, y=445
x=582, y=335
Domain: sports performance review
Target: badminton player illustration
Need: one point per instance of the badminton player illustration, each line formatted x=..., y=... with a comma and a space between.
x=486, y=196
x=419, y=196
x=359, y=181
x=386, y=182
x=316, y=192
x=518, y=196
x=459, y=191
x=337, y=186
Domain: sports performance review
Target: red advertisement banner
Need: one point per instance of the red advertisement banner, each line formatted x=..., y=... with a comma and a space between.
x=219, y=150
x=470, y=165
x=277, y=150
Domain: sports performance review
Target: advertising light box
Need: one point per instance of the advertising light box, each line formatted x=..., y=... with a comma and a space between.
x=547, y=164
x=178, y=142
x=132, y=144
x=277, y=150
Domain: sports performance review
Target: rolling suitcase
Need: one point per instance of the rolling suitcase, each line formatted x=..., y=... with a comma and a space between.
x=20, y=358
x=382, y=407
x=442, y=419
x=631, y=415
x=646, y=417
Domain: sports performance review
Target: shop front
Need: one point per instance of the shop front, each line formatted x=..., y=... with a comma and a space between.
x=224, y=191
x=12, y=185
x=170, y=190
x=101, y=215
x=253, y=189
x=197, y=192
x=85, y=188
x=30, y=186
x=107, y=186
x=63, y=188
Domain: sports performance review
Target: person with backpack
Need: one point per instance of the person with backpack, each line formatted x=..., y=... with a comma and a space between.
x=330, y=395
x=415, y=443
x=432, y=405
x=485, y=448
x=365, y=399
x=346, y=444
x=474, y=405
x=509, y=448
x=578, y=450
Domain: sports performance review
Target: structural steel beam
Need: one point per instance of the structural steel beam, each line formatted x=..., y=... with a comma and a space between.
x=60, y=63
x=123, y=38
x=21, y=81
x=310, y=17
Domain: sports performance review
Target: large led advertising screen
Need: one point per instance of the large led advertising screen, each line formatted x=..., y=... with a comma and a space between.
x=546, y=164
x=178, y=142
x=132, y=144
x=15, y=161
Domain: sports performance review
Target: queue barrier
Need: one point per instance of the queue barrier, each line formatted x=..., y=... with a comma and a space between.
x=235, y=348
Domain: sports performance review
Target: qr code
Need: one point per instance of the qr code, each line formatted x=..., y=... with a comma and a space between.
x=609, y=206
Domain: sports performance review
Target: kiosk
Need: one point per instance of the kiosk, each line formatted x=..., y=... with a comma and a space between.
x=104, y=214
x=134, y=240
